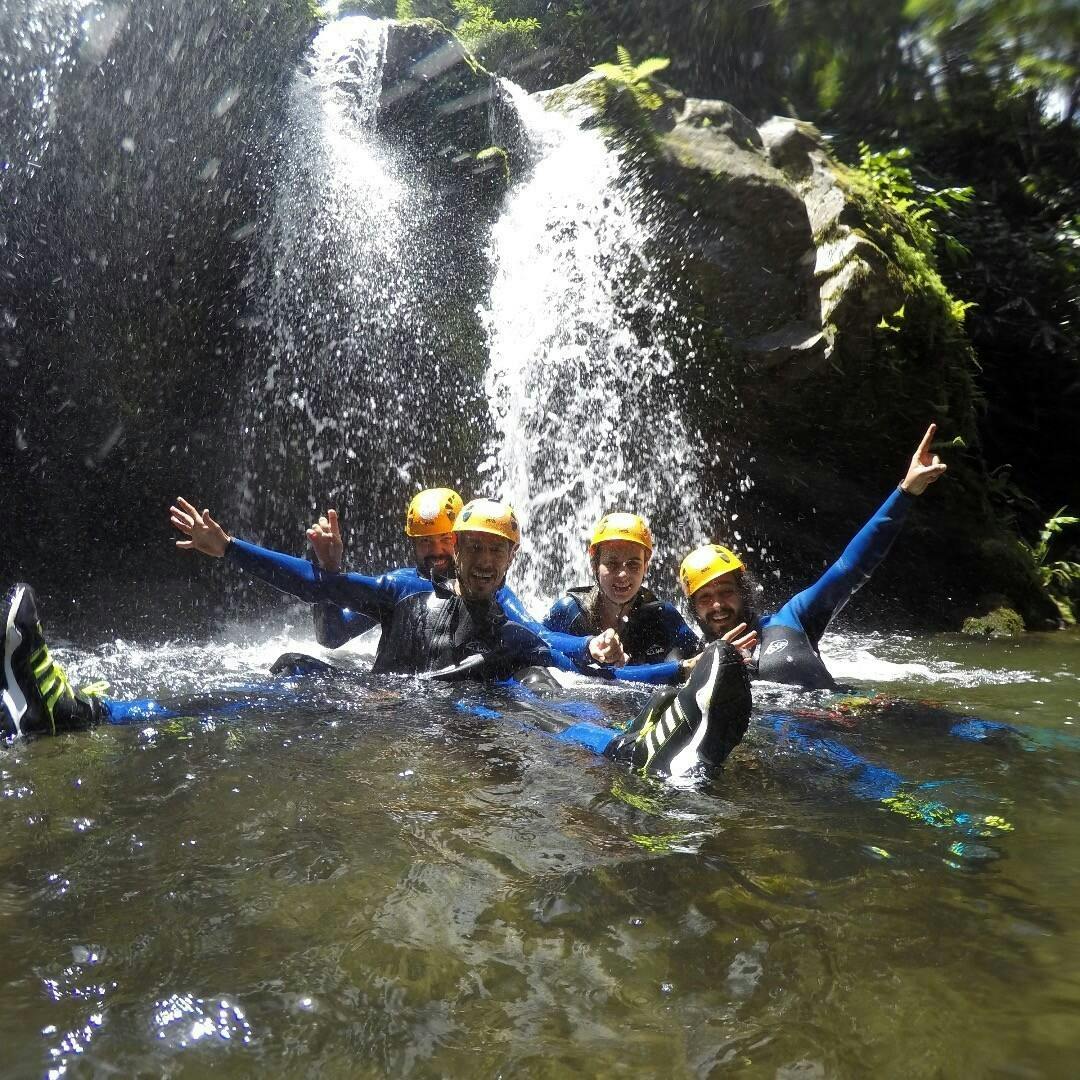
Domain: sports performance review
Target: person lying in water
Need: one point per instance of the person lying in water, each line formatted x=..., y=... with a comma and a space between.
x=362, y=601
x=455, y=631
x=655, y=637
x=715, y=582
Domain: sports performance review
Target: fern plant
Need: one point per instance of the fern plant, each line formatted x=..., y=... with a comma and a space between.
x=1058, y=575
x=634, y=78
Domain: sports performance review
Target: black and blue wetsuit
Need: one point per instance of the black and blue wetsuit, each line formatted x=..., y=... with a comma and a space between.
x=653, y=633
x=335, y=625
x=373, y=599
x=788, y=640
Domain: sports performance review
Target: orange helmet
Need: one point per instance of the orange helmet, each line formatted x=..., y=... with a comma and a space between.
x=705, y=564
x=432, y=512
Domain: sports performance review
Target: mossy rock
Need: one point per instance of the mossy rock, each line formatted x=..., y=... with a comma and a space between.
x=1000, y=621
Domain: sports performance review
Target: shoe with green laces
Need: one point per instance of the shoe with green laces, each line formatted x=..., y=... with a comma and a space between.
x=37, y=698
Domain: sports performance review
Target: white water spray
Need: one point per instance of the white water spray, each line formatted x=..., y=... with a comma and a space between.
x=583, y=351
x=342, y=383
x=38, y=46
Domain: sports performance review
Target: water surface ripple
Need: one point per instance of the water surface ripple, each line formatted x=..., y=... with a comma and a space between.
x=374, y=882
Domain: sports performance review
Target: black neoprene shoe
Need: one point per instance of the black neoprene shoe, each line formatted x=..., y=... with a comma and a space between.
x=702, y=722
x=37, y=698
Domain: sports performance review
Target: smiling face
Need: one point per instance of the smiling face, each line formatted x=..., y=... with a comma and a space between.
x=482, y=560
x=620, y=569
x=435, y=554
x=719, y=606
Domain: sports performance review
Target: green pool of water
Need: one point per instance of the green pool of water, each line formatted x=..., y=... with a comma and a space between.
x=385, y=886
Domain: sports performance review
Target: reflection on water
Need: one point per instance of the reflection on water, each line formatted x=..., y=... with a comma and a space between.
x=377, y=883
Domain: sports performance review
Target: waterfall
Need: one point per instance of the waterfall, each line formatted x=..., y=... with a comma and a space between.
x=581, y=384
x=37, y=46
x=350, y=401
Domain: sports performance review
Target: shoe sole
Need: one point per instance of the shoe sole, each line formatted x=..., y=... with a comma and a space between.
x=14, y=700
x=687, y=758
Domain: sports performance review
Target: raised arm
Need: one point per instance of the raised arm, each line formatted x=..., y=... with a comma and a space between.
x=297, y=577
x=925, y=466
x=814, y=608
x=203, y=533
x=325, y=537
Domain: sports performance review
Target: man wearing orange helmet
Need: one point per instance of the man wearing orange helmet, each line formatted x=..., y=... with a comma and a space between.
x=714, y=580
x=655, y=637
x=429, y=523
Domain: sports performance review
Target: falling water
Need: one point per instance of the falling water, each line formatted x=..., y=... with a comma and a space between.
x=581, y=383
x=347, y=396
x=37, y=45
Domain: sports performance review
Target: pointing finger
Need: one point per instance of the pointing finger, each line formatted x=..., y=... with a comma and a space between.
x=924, y=446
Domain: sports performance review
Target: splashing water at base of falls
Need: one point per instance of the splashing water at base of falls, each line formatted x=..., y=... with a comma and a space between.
x=581, y=383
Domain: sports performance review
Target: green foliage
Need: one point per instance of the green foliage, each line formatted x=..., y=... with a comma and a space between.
x=478, y=20
x=626, y=76
x=498, y=43
x=890, y=177
x=1057, y=575
x=903, y=219
x=405, y=10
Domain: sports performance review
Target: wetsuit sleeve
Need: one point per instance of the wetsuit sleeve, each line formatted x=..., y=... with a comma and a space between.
x=335, y=625
x=570, y=645
x=681, y=638
x=813, y=609
x=369, y=595
x=663, y=674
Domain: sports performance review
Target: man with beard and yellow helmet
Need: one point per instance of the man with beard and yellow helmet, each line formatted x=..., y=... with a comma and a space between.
x=429, y=521
x=715, y=582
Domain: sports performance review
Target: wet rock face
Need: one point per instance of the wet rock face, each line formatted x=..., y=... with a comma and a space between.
x=441, y=106
x=749, y=244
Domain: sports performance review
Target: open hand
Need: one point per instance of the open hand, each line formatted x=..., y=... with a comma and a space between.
x=743, y=640
x=606, y=648
x=203, y=533
x=325, y=537
x=925, y=467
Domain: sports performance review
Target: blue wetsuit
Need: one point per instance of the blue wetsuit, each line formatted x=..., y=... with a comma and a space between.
x=788, y=640
x=653, y=633
x=374, y=598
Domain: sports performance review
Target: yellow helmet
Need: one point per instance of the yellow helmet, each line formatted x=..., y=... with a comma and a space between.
x=620, y=526
x=705, y=564
x=488, y=516
x=432, y=512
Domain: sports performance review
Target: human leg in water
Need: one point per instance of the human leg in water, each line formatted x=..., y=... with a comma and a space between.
x=878, y=784
x=37, y=698
x=702, y=722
